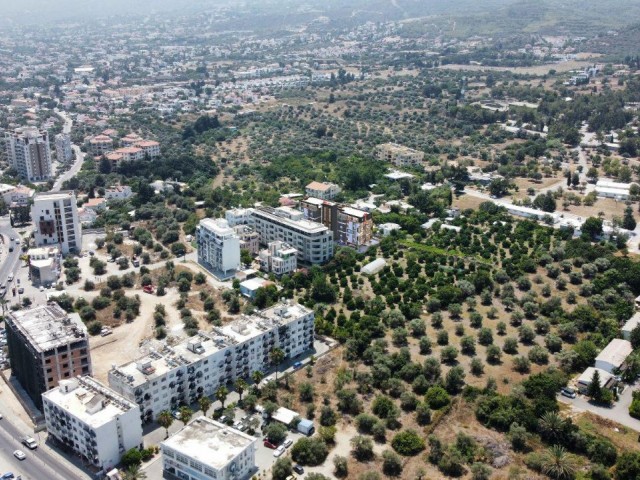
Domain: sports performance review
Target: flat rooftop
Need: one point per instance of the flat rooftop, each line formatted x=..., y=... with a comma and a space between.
x=89, y=401
x=49, y=326
x=307, y=226
x=54, y=195
x=158, y=363
x=209, y=442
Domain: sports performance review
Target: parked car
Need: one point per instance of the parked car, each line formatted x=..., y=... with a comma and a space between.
x=8, y=475
x=287, y=443
x=19, y=454
x=176, y=414
x=237, y=424
x=279, y=451
x=105, y=331
x=30, y=443
x=147, y=289
x=298, y=469
x=268, y=444
x=21, y=290
x=297, y=365
x=223, y=419
x=568, y=392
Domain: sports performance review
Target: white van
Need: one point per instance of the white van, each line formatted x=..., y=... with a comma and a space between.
x=10, y=277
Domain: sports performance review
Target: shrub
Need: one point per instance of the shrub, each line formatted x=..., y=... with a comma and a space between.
x=408, y=443
x=437, y=397
x=94, y=328
x=309, y=451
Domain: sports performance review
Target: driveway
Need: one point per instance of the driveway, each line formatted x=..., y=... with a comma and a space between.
x=619, y=412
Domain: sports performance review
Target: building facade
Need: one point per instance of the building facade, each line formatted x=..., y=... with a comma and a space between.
x=399, y=155
x=100, y=145
x=64, y=152
x=218, y=246
x=95, y=422
x=249, y=238
x=29, y=153
x=119, y=192
x=55, y=216
x=350, y=226
x=46, y=345
x=312, y=240
x=322, y=190
x=176, y=375
x=208, y=450
x=279, y=258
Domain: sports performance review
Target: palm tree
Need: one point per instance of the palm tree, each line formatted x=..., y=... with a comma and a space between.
x=551, y=426
x=241, y=386
x=134, y=473
x=558, y=464
x=185, y=414
x=257, y=377
x=221, y=394
x=165, y=419
x=205, y=404
x=276, y=356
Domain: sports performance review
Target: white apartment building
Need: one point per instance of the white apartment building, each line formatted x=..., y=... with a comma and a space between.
x=218, y=246
x=151, y=148
x=166, y=378
x=94, y=421
x=29, y=153
x=55, y=217
x=399, y=155
x=279, y=258
x=312, y=240
x=119, y=192
x=19, y=195
x=64, y=153
x=206, y=449
x=322, y=190
x=238, y=216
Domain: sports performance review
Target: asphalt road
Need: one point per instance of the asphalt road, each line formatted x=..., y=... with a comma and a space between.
x=78, y=157
x=39, y=464
x=11, y=262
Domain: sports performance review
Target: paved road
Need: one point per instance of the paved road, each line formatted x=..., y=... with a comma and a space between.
x=619, y=412
x=78, y=155
x=39, y=463
x=12, y=260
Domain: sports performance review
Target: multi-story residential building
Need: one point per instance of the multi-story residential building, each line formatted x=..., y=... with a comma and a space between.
x=350, y=226
x=29, y=153
x=92, y=420
x=279, y=258
x=218, y=246
x=19, y=195
x=312, y=240
x=44, y=265
x=165, y=378
x=249, y=238
x=46, y=345
x=399, y=155
x=208, y=450
x=355, y=227
x=64, y=152
x=55, y=216
x=100, y=145
x=130, y=154
x=238, y=216
x=131, y=139
x=322, y=190
x=119, y=192
x=150, y=148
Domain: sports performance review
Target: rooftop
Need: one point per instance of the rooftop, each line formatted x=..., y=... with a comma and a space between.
x=209, y=442
x=158, y=363
x=89, y=401
x=49, y=196
x=616, y=352
x=632, y=323
x=48, y=326
x=306, y=225
x=321, y=186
